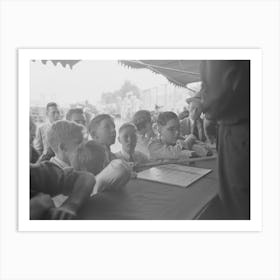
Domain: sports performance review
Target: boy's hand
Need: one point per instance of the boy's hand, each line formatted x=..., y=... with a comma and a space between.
x=39, y=205
x=61, y=213
x=189, y=154
x=45, y=200
x=189, y=141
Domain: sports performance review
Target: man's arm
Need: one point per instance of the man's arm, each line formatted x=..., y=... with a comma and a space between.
x=225, y=88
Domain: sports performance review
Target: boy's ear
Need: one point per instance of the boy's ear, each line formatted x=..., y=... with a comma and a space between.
x=62, y=147
x=91, y=133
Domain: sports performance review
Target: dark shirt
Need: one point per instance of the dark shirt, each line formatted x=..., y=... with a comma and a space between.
x=47, y=155
x=226, y=90
x=46, y=177
x=196, y=128
x=226, y=98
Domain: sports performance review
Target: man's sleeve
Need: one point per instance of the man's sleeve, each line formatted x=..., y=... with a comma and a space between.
x=225, y=88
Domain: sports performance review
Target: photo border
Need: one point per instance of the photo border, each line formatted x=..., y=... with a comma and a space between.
x=24, y=58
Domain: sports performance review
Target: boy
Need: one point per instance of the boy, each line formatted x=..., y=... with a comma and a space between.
x=76, y=115
x=142, y=119
x=128, y=139
x=48, y=180
x=90, y=157
x=102, y=130
x=168, y=145
x=64, y=138
x=55, y=177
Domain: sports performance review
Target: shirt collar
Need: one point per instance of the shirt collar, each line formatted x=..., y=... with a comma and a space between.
x=126, y=155
x=48, y=122
x=62, y=164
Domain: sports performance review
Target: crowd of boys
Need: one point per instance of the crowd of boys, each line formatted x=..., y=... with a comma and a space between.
x=73, y=157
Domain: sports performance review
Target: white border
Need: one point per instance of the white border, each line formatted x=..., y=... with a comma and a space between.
x=24, y=57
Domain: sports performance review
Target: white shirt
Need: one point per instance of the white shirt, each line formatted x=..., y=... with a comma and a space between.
x=62, y=164
x=142, y=144
x=137, y=157
x=40, y=142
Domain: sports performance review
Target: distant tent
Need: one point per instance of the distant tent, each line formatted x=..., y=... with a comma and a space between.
x=64, y=63
x=178, y=72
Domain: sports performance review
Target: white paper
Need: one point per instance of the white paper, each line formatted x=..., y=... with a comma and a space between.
x=174, y=174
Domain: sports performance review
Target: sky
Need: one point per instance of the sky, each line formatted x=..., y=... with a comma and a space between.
x=86, y=81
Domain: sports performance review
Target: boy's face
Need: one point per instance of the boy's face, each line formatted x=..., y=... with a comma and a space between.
x=78, y=118
x=106, y=132
x=128, y=139
x=53, y=114
x=170, y=132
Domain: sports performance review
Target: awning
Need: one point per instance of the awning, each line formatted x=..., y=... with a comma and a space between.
x=64, y=63
x=178, y=72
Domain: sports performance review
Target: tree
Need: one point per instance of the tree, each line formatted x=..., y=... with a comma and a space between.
x=112, y=97
x=129, y=87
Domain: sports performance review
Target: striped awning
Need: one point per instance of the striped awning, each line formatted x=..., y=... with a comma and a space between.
x=178, y=72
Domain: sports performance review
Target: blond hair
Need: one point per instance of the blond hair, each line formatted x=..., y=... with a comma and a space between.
x=63, y=131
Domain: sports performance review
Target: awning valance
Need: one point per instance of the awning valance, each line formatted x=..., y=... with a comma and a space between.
x=64, y=63
x=178, y=72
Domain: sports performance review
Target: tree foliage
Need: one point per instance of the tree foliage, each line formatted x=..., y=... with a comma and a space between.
x=113, y=97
